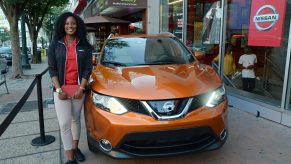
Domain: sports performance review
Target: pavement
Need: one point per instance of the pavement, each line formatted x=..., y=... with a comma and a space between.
x=251, y=139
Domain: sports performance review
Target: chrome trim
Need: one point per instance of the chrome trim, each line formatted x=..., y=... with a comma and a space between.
x=223, y=134
x=110, y=36
x=184, y=19
x=286, y=87
x=108, y=143
x=155, y=115
x=222, y=41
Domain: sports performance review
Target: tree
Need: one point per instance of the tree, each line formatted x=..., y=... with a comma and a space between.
x=48, y=22
x=13, y=9
x=34, y=16
x=4, y=35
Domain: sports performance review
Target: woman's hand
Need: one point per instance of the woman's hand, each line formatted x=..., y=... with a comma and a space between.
x=78, y=94
x=63, y=96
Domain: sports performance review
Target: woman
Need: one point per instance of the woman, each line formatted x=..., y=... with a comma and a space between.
x=229, y=63
x=69, y=60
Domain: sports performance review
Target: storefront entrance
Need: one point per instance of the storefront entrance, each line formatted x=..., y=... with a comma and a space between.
x=209, y=30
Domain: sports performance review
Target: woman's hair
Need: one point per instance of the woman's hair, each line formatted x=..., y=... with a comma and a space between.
x=229, y=47
x=59, y=31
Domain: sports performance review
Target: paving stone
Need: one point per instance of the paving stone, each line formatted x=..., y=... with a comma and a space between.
x=39, y=158
x=21, y=146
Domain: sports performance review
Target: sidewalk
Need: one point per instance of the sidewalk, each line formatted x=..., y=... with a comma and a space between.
x=251, y=139
x=17, y=87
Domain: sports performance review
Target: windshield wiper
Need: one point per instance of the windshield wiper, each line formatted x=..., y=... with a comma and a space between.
x=114, y=63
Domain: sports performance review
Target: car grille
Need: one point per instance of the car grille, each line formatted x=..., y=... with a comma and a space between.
x=133, y=105
x=137, y=107
x=167, y=142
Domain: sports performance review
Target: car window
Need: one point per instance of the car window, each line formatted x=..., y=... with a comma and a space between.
x=5, y=50
x=144, y=51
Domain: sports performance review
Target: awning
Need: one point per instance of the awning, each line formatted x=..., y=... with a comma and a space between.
x=90, y=29
x=103, y=19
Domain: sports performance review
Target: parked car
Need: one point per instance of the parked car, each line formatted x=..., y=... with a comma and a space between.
x=149, y=96
x=5, y=52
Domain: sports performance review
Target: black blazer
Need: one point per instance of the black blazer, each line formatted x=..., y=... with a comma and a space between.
x=57, y=56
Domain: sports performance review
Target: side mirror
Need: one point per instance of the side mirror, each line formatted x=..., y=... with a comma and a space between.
x=199, y=54
x=95, y=58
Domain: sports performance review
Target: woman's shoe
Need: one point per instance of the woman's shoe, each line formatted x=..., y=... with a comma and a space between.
x=79, y=155
x=72, y=162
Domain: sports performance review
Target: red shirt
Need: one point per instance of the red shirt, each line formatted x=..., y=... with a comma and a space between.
x=71, y=77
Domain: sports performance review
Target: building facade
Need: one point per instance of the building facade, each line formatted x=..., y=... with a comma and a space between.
x=207, y=27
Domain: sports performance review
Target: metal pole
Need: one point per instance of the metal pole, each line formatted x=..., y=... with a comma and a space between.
x=42, y=140
x=40, y=107
x=25, y=62
x=222, y=38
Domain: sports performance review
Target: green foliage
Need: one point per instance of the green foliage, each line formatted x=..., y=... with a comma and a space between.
x=4, y=34
x=37, y=11
x=35, y=14
x=49, y=19
x=139, y=31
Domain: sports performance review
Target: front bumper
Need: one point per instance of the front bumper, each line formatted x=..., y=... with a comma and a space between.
x=135, y=135
x=163, y=143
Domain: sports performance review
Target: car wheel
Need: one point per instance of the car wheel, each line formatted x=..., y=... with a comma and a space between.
x=91, y=147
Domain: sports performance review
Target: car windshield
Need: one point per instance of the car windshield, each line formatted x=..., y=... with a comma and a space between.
x=5, y=50
x=145, y=51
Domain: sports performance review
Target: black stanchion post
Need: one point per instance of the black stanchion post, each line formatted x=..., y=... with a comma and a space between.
x=43, y=139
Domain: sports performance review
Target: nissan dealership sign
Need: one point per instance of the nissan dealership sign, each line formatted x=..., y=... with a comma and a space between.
x=266, y=23
x=273, y=17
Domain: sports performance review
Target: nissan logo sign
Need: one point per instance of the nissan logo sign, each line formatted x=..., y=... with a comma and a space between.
x=262, y=18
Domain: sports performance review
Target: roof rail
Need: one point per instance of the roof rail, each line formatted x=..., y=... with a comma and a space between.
x=168, y=33
x=110, y=35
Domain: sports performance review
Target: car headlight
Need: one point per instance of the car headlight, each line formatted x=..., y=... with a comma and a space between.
x=109, y=104
x=216, y=97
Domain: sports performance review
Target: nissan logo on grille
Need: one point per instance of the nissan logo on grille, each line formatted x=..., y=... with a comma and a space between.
x=263, y=18
x=169, y=106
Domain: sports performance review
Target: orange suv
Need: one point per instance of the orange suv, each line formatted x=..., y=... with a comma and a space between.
x=151, y=97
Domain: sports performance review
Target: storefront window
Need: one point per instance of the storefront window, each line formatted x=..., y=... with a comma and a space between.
x=203, y=28
x=286, y=33
x=203, y=32
x=172, y=17
x=265, y=81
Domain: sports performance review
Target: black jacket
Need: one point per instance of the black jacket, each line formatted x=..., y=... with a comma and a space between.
x=57, y=57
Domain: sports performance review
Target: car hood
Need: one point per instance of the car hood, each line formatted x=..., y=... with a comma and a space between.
x=155, y=82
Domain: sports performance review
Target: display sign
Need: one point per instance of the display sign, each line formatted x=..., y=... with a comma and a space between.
x=103, y=4
x=129, y=3
x=266, y=23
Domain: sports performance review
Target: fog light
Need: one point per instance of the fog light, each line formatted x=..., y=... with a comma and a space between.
x=223, y=134
x=105, y=145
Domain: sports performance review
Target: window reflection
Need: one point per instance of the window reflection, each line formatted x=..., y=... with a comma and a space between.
x=202, y=37
x=145, y=51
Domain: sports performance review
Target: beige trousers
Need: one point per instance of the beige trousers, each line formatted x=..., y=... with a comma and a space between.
x=68, y=113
